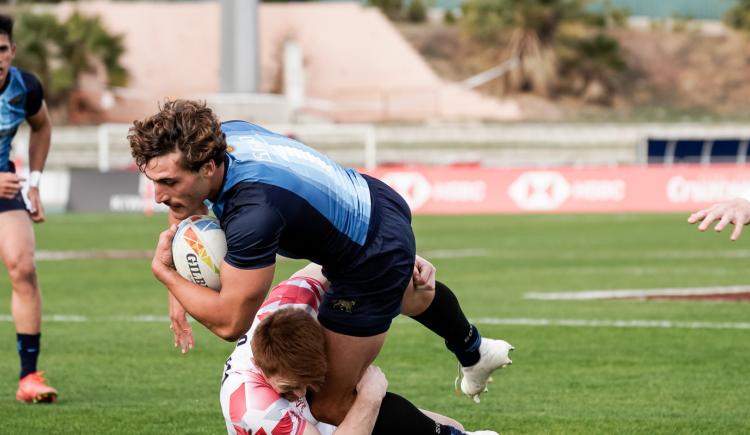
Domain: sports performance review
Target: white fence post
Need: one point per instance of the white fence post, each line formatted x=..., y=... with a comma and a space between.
x=102, y=136
x=371, y=158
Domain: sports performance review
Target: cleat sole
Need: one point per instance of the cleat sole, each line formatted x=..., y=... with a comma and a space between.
x=45, y=398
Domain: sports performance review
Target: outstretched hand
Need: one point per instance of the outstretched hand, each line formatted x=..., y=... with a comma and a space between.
x=735, y=212
x=183, y=333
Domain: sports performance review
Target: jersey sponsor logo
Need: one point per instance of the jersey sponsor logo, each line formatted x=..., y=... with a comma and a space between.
x=343, y=305
x=243, y=145
x=242, y=340
x=301, y=405
x=227, y=367
x=16, y=101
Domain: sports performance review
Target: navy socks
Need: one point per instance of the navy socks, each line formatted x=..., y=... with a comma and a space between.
x=445, y=318
x=28, y=350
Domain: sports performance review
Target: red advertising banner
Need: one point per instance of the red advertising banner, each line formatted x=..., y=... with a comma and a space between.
x=462, y=190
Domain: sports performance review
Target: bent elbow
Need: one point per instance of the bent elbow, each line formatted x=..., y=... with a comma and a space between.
x=227, y=334
x=231, y=332
x=234, y=336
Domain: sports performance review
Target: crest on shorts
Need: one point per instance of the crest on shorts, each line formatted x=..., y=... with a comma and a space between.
x=344, y=305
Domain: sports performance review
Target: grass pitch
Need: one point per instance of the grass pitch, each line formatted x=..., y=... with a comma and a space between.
x=117, y=371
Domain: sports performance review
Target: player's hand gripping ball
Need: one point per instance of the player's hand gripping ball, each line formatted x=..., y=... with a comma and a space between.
x=198, y=248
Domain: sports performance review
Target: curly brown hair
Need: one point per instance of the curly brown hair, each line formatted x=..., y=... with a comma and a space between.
x=290, y=342
x=188, y=126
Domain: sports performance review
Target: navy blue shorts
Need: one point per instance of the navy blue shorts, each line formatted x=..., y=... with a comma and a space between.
x=363, y=301
x=15, y=203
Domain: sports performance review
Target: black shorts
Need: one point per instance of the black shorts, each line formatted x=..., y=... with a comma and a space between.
x=15, y=203
x=363, y=301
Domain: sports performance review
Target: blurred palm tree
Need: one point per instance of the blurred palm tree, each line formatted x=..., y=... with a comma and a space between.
x=547, y=37
x=738, y=16
x=391, y=8
x=36, y=38
x=591, y=67
x=87, y=42
x=60, y=52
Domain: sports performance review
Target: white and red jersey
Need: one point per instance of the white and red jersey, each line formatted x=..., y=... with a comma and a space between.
x=249, y=403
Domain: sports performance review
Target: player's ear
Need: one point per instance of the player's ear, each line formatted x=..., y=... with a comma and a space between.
x=208, y=168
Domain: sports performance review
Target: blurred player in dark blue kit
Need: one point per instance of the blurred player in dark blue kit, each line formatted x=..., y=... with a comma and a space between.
x=22, y=99
x=274, y=195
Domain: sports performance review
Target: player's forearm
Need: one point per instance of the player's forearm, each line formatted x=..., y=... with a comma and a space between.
x=39, y=143
x=361, y=417
x=208, y=307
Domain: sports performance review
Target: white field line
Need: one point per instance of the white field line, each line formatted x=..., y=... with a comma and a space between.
x=576, y=323
x=739, y=253
x=75, y=318
x=116, y=254
x=657, y=255
x=454, y=253
x=113, y=254
x=638, y=293
x=581, y=323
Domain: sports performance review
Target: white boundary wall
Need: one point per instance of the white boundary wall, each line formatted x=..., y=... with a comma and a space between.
x=367, y=145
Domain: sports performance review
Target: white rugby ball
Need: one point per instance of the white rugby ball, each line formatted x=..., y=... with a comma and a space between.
x=198, y=248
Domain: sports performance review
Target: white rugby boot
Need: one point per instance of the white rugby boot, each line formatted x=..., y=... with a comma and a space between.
x=493, y=355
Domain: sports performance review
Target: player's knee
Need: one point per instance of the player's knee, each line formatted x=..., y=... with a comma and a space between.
x=22, y=270
x=415, y=302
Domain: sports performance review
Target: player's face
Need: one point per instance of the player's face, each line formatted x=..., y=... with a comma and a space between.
x=7, y=53
x=287, y=388
x=182, y=190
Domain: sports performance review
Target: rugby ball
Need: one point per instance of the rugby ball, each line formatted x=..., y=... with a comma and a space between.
x=198, y=248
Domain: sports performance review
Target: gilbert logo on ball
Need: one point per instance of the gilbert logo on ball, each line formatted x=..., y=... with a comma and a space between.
x=198, y=248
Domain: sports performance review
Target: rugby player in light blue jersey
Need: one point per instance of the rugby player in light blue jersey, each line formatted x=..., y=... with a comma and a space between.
x=22, y=99
x=274, y=195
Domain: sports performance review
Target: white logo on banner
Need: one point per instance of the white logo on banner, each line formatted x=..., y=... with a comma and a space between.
x=144, y=201
x=542, y=190
x=412, y=186
x=611, y=190
x=680, y=189
x=460, y=191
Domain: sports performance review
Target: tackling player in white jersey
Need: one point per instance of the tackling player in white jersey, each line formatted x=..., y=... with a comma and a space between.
x=282, y=355
x=254, y=402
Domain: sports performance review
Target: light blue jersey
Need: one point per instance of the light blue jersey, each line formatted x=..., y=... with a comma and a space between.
x=280, y=196
x=289, y=188
x=14, y=109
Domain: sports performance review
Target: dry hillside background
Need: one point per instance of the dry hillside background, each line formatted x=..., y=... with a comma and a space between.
x=672, y=75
